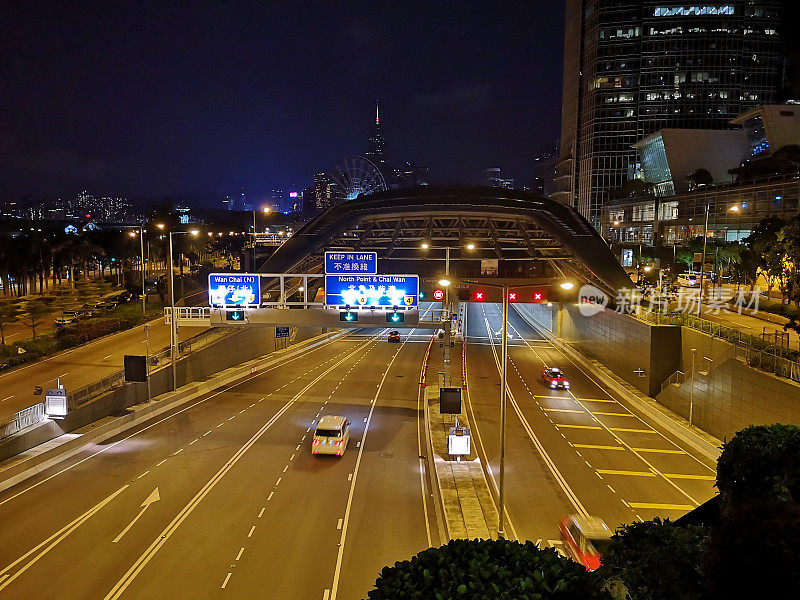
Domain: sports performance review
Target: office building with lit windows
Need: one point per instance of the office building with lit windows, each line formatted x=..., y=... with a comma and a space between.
x=634, y=68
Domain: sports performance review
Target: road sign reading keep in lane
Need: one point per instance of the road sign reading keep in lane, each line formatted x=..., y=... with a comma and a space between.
x=364, y=263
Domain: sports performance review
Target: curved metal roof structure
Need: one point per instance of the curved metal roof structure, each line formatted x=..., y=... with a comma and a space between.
x=504, y=224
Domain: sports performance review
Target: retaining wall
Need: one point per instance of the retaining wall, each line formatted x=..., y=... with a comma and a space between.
x=732, y=395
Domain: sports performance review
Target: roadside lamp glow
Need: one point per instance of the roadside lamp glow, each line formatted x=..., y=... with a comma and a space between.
x=567, y=285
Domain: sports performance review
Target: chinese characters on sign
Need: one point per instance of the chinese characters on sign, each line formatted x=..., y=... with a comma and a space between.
x=233, y=290
x=371, y=290
x=629, y=301
x=365, y=263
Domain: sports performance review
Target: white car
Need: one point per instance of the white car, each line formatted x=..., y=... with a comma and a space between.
x=331, y=436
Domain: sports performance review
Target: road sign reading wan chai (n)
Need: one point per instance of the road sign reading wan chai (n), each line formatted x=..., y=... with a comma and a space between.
x=371, y=290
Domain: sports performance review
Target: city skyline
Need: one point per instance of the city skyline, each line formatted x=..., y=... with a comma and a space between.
x=261, y=111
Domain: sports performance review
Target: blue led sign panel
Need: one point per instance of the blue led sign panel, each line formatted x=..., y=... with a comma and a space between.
x=234, y=290
x=371, y=290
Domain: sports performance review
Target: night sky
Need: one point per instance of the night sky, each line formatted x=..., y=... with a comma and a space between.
x=195, y=99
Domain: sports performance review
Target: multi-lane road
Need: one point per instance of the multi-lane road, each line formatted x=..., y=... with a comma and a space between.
x=243, y=508
x=223, y=498
x=570, y=451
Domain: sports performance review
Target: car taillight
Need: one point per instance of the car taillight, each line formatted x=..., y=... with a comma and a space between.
x=338, y=442
x=316, y=443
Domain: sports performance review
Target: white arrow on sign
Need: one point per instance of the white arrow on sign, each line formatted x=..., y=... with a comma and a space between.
x=153, y=497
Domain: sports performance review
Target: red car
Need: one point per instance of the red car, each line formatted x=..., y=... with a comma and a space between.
x=585, y=539
x=555, y=378
x=394, y=336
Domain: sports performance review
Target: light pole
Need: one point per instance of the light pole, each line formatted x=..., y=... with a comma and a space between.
x=427, y=246
x=173, y=347
x=703, y=262
x=265, y=210
x=141, y=264
x=691, y=390
x=147, y=356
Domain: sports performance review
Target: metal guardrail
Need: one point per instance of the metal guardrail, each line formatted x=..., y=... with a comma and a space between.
x=34, y=414
x=22, y=419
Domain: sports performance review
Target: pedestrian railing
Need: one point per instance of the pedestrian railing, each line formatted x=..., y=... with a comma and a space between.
x=22, y=419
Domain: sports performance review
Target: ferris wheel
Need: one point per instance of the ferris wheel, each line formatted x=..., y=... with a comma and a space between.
x=357, y=175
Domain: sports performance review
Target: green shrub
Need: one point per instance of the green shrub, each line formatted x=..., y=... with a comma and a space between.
x=656, y=560
x=752, y=552
x=85, y=331
x=478, y=569
x=761, y=462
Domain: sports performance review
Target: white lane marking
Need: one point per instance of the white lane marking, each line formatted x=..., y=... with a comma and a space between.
x=326, y=594
x=161, y=463
x=261, y=512
x=143, y=474
x=177, y=452
x=277, y=483
x=7, y=398
x=349, y=477
x=339, y=524
x=285, y=468
x=225, y=583
x=53, y=540
x=270, y=496
x=231, y=418
x=238, y=556
x=206, y=433
x=279, y=365
x=153, y=497
x=193, y=441
x=291, y=457
x=340, y=555
x=221, y=424
x=125, y=581
x=296, y=449
x=252, y=529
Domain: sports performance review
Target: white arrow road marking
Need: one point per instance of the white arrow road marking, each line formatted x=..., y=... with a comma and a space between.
x=153, y=497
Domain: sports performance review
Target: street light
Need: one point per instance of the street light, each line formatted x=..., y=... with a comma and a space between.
x=703, y=262
x=566, y=285
x=173, y=347
x=141, y=266
x=444, y=282
x=426, y=246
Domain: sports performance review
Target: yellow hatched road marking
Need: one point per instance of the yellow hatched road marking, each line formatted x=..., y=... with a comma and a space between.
x=565, y=410
x=614, y=414
x=597, y=400
x=578, y=426
x=657, y=506
x=682, y=476
x=596, y=447
x=659, y=451
x=631, y=473
x=632, y=430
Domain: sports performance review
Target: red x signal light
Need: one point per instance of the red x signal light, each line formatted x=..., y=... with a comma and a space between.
x=512, y=296
x=479, y=296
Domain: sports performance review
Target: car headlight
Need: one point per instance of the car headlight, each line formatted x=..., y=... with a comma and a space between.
x=566, y=384
x=553, y=385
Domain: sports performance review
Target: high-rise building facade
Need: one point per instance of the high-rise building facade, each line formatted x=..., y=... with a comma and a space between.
x=376, y=151
x=633, y=68
x=491, y=178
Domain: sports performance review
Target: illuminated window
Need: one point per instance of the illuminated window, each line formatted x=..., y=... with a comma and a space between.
x=685, y=11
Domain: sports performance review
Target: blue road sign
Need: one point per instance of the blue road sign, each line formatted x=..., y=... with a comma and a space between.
x=281, y=332
x=372, y=290
x=234, y=290
x=364, y=263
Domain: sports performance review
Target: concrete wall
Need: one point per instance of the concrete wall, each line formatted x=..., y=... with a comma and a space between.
x=229, y=351
x=733, y=394
x=642, y=354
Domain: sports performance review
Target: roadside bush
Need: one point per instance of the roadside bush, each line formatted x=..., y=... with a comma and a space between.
x=655, y=560
x=477, y=569
x=68, y=337
x=752, y=553
x=761, y=462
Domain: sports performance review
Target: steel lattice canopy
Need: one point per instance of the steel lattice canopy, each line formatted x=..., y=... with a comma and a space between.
x=509, y=225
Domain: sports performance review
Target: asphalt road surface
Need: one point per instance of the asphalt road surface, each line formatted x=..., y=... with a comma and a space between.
x=576, y=451
x=223, y=498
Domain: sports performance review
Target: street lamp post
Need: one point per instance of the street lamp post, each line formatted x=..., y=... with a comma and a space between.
x=703, y=262
x=173, y=348
x=504, y=356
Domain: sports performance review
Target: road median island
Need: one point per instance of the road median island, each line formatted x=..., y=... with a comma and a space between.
x=29, y=462
x=467, y=503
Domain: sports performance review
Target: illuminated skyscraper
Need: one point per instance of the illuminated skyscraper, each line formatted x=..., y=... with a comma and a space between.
x=632, y=68
x=376, y=143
